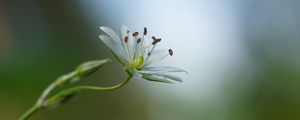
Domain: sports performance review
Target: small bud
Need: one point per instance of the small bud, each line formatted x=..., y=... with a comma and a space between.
x=135, y=34
x=89, y=67
x=171, y=52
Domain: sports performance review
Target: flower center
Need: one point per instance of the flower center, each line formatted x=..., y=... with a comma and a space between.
x=137, y=63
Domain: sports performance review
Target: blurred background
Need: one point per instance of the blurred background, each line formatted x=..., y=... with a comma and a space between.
x=243, y=58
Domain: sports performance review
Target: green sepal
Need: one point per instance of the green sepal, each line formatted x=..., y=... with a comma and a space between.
x=89, y=67
x=59, y=98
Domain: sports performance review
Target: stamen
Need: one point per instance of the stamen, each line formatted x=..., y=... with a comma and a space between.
x=127, y=31
x=126, y=39
x=135, y=34
x=171, y=52
x=151, y=50
x=156, y=40
x=145, y=31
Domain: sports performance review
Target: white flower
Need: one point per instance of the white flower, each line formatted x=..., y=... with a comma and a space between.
x=138, y=56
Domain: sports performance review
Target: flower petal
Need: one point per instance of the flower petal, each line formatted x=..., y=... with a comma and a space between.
x=172, y=77
x=124, y=33
x=112, y=34
x=166, y=76
x=116, y=49
x=161, y=69
x=156, y=56
x=155, y=78
x=129, y=45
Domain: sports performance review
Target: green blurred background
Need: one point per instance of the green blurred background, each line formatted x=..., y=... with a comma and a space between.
x=243, y=58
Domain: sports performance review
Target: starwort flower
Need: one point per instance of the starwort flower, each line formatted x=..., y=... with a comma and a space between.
x=140, y=56
x=137, y=55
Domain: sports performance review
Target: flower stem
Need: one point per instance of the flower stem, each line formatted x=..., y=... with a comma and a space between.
x=57, y=83
x=57, y=97
x=30, y=112
x=78, y=89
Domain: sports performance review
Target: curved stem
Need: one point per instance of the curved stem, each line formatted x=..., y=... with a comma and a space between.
x=80, y=88
x=67, y=92
x=74, y=90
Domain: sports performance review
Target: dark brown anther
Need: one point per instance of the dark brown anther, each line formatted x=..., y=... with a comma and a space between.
x=126, y=39
x=145, y=31
x=153, y=43
x=135, y=34
x=158, y=39
x=154, y=38
x=138, y=40
x=171, y=52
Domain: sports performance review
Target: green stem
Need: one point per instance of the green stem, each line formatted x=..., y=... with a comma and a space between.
x=57, y=83
x=30, y=112
x=74, y=90
x=65, y=93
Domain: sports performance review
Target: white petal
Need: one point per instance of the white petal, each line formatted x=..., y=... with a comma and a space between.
x=131, y=46
x=115, y=40
x=166, y=76
x=111, y=33
x=161, y=69
x=156, y=56
x=172, y=77
x=125, y=45
x=138, y=46
x=156, y=78
x=116, y=48
x=124, y=30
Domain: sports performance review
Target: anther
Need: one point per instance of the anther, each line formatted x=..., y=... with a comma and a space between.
x=139, y=40
x=126, y=39
x=135, y=34
x=145, y=31
x=171, y=52
x=127, y=31
x=156, y=40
